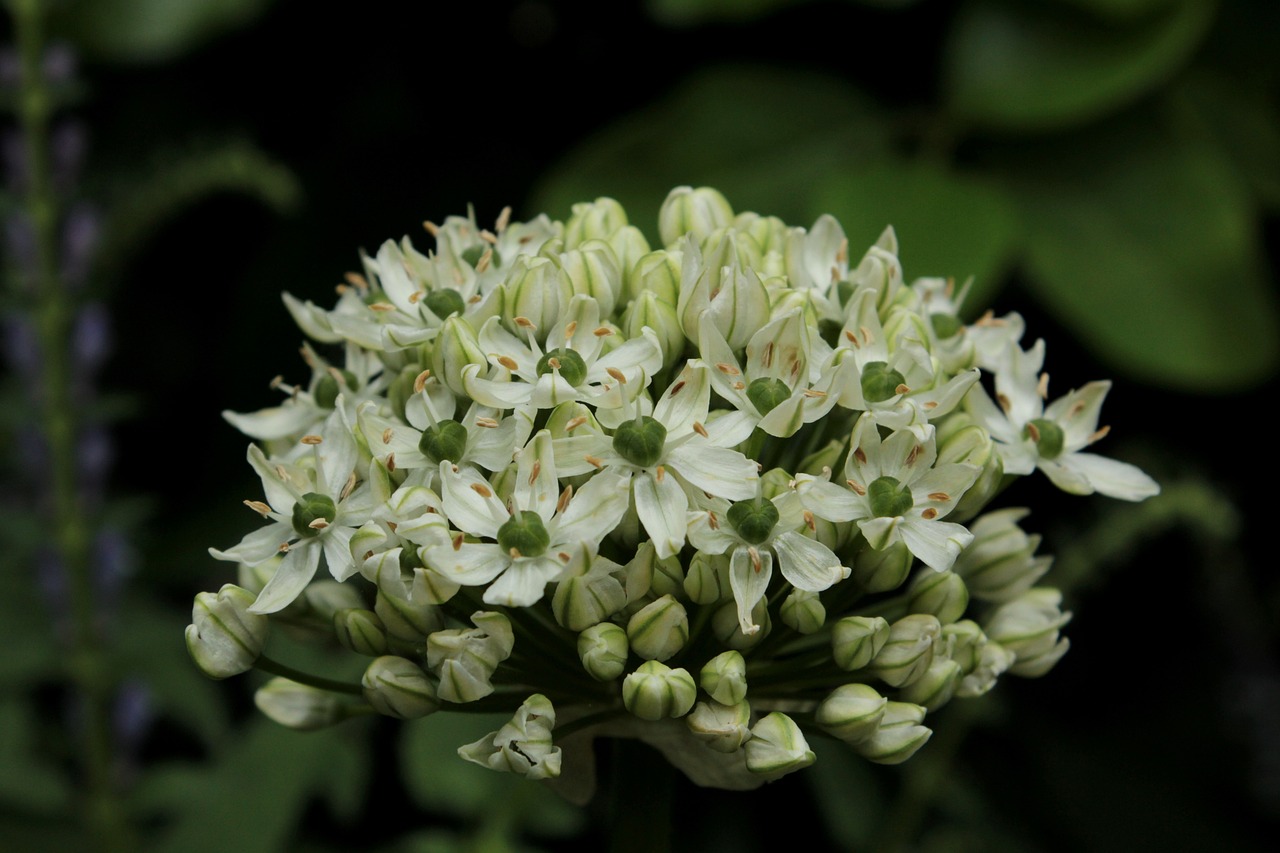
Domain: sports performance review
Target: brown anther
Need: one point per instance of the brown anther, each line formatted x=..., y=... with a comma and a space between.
x=728, y=369
x=387, y=435
x=766, y=357
x=508, y=362
x=594, y=461
x=1005, y=403
x=809, y=520
x=431, y=227
x=383, y=307
x=659, y=473
x=1076, y=409
x=318, y=524
x=564, y=556
x=914, y=454
x=563, y=503
x=553, y=363
x=415, y=297
x=939, y=496
x=842, y=254
x=1042, y=387
x=931, y=404
x=474, y=299
x=712, y=521
x=929, y=514
x=457, y=542
x=503, y=218
x=487, y=236
x=617, y=374
x=700, y=429
x=258, y=506
x=677, y=388
x=860, y=455
x=391, y=462
x=367, y=554
x=902, y=389
x=602, y=332
x=281, y=472
x=1033, y=431
x=814, y=393
x=357, y=281
x=570, y=328
x=755, y=559
x=487, y=423
x=574, y=423
x=485, y=260
x=284, y=548
x=523, y=322
x=1099, y=434
x=537, y=469
x=276, y=382
x=420, y=381
x=738, y=386
x=311, y=439
x=853, y=339
x=482, y=490
x=515, y=553
x=857, y=489
x=455, y=468
x=348, y=486
x=867, y=337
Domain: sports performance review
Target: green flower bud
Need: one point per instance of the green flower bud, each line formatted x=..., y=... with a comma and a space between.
x=582, y=601
x=888, y=497
x=754, y=519
x=941, y=593
x=728, y=630
x=1000, y=564
x=397, y=687
x=945, y=325
x=697, y=212
x=774, y=482
x=1047, y=435
x=960, y=439
x=595, y=220
x=563, y=415
x=723, y=728
x=724, y=677
x=524, y=534
x=981, y=661
x=465, y=659
x=707, y=580
x=629, y=246
x=659, y=630
x=802, y=611
x=522, y=746
x=603, y=650
x=649, y=577
x=655, y=691
x=401, y=389
x=908, y=652
x=456, y=347
x=313, y=513
x=570, y=365
x=327, y=388
x=591, y=270
x=936, y=687
x=880, y=382
x=324, y=598
x=407, y=614
x=641, y=441
x=648, y=309
x=856, y=640
x=444, y=302
x=536, y=289
x=361, y=631
x=446, y=441
x=852, y=712
x=224, y=638
x=299, y=706
x=881, y=571
x=899, y=737
x=1028, y=627
x=777, y=747
x=767, y=393
x=658, y=273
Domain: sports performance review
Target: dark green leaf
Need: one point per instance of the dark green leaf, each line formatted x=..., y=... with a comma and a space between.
x=26, y=625
x=150, y=30
x=26, y=782
x=1244, y=121
x=1035, y=66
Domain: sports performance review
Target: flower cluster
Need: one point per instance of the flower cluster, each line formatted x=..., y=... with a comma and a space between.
x=720, y=496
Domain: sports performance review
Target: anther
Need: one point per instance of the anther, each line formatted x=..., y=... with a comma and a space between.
x=617, y=374
x=311, y=439
x=755, y=558
x=348, y=487
x=939, y=496
x=487, y=423
x=929, y=514
x=728, y=369
x=485, y=260
x=563, y=503
x=902, y=389
x=814, y=393
x=564, y=556
x=508, y=362
x=738, y=386
x=415, y=296
x=431, y=227
x=1099, y=434
x=914, y=454
x=503, y=218
x=524, y=322
x=487, y=236
x=574, y=423
x=860, y=455
x=712, y=521
x=1033, y=431
x=809, y=521
x=318, y=524
x=357, y=281
x=515, y=553
x=603, y=332
x=258, y=506
x=1042, y=387
x=659, y=473
x=482, y=490
x=700, y=429
x=284, y=548
x=537, y=469
x=387, y=434
x=595, y=461
x=857, y=489
x=1004, y=402
x=675, y=389
x=553, y=363
x=384, y=307
x=391, y=462
x=420, y=381
x=570, y=328
x=457, y=542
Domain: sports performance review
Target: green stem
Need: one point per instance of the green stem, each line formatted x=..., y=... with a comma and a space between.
x=266, y=664
x=88, y=666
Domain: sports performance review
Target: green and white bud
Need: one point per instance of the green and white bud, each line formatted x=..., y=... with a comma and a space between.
x=649, y=577
x=591, y=270
x=594, y=220
x=728, y=628
x=936, y=687
x=802, y=611
x=707, y=580
x=401, y=388
x=655, y=691
x=774, y=482
x=566, y=415
x=582, y=601
x=908, y=652
x=299, y=706
x=942, y=594
x=659, y=630
x=658, y=273
x=629, y=245
x=698, y=212
x=881, y=571
x=224, y=638
x=406, y=615
x=399, y=688
x=465, y=659
x=1028, y=627
x=777, y=746
x=899, y=736
x=724, y=728
x=649, y=309
x=537, y=290
x=1000, y=564
x=603, y=651
x=981, y=660
x=361, y=631
x=961, y=440
x=857, y=640
x=522, y=746
x=724, y=677
x=456, y=347
x=851, y=712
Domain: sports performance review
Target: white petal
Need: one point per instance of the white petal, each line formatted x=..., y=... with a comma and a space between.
x=571, y=453
x=468, y=509
x=806, y=563
x=337, y=552
x=523, y=584
x=275, y=422
x=708, y=539
x=310, y=319
x=881, y=531
x=833, y=503
x=662, y=507
x=730, y=428
x=259, y=546
x=748, y=584
x=338, y=452
x=936, y=543
x=1077, y=413
x=1107, y=476
x=685, y=401
x=594, y=511
x=719, y=471
x=536, y=486
x=471, y=564
x=292, y=576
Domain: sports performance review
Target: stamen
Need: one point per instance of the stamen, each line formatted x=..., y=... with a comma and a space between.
x=391, y=463
x=617, y=374
x=348, y=487
x=487, y=423
x=357, y=281
x=1033, y=431
x=508, y=362
x=852, y=338
x=318, y=524
x=712, y=521
x=503, y=218
x=485, y=260
x=482, y=490
x=564, y=556
x=553, y=363
x=563, y=503
x=1099, y=434
x=1005, y=403
x=914, y=454
x=574, y=423
x=384, y=307
x=311, y=439
x=420, y=381
x=387, y=434
x=284, y=548
x=457, y=542
x=537, y=469
x=728, y=369
x=902, y=389
x=515, y=553
x=595, y=461
x=842, y=254
x=603, y=332
x=939, y=496
x=766, y=357
x=659, y=473
x=738, y=386
x=857, y=489
x=275, y=383
x=929, y=514
x=570, y=328
x=431, y=227
x=860, y=455
x=700, y=429
x=415, y=296
x=676, y=389
x=931, y=404
x=1042, y=387
x=809, y=521
x=814, y=393
x=258, y=506
x=867, y=337
x=524, y=323
x=755, y=558
x=487, y=236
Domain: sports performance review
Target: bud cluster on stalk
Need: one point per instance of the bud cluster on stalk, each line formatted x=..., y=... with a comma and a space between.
x=733, y=485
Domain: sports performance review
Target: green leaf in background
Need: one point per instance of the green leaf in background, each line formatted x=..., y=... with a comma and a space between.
x=149, y=30
x=1144, y=244
x=1025, y=66
x=26, y=633
x=947, y=224
x=1244, y=121
x=848, y=794
x=26, y=782
x=1120, y=11
x=765, y=138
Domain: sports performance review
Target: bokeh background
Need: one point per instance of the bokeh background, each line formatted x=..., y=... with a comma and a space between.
x=1108, y=168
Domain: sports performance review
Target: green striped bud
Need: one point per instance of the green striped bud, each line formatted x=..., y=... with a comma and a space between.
x=728, y=630
x=881, y=571
x=1000, y=563
x=465, y=659
x=591, y=270
x=603, y=650
x=655, y=691
x=593, y=220
x=1028, y=627
x=658, y=273
x=456, y=347
x=724, y=677
x=908, y=652
x=936, y=687
x=648, y=309
x=777, y=747
x=659, y=630
x=224, y=638
x=856, y=640
x=582, y=601
x=723, y=728
x=707, y=580
x=299, y=706
x=361, y=631
x=692, y=211
x=522, y=746
x=962, y=440
x=941, y=593
x=802, y=611
x=899, y=737
x=852, y=712
x=399, y=688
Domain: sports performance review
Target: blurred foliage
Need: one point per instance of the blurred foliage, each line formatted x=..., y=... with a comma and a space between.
x=148, y=31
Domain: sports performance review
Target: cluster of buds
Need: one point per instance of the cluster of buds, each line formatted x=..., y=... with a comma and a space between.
x=721, y=495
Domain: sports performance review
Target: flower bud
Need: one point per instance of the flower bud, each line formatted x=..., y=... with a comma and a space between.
x=942, y=594
x=908, y=652
x=629, y=245
x=659, y=630
x=724, y=677
x=595, y=220
x=648, y=309
x=361, y=631
x=603, y=651
x=224, y=638
x=724, y=728
x=324, y=598
x=856, y=640
x=564, y=416
x=1028, y=627
x=981, y=660
x=456, y=347
x=465, y=659
x=582, y=601
x=655, y=691
x=777, y=746
x=881, y=571
x=961, y=440
x=707, y=580
x=802, y=611
x=936, y=687
x=1000, y=564
x=852, y=712
x=899, y=736
x=522, y=746
x=298, y=706
x=728, y=629
x=658, y=273
x=398, y=688
x=401, y=389
x=697, y=212
x=591, y=270
x=407, y=617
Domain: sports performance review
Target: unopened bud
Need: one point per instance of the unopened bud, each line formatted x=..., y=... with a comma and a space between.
x=899, y=736
x=659, y=630
x=648, y=309
x=728, y=628
x=692, y=211
x=299, y=706
x=1028, y=627
x=655, y=691
x=724, y=677
x=582, y=601
x=1000, y=564
x=707, y=580
x=361, y=631
x=224, y=638
x=777, y=746
x=591, y=270
x=852, y=712
x=936, y=687
x=881, y=571
x=856, y=640
x=907, y=654
x=399, y=688
x=961, y=440
x=522, y=746
x=465, y=659
x=595, y=220
x=942, y=594
x=456, y=347
x=603, y=651
x=802, y=611
x=724, y=728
